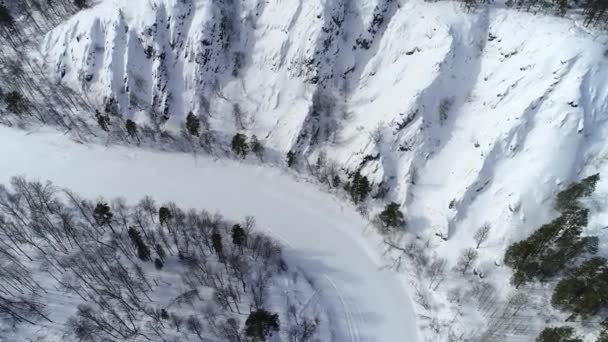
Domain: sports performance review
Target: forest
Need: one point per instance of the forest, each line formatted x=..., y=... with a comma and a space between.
x=595, y=12
x=558, y=251
x=82, y=270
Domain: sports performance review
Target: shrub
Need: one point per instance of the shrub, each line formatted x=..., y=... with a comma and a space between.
x=239, y=145
x=131, y=128
x=193, y=124
x=261, y=324
x=391, y=217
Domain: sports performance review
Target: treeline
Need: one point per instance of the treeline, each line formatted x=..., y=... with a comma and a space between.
x=148, y=271
x=27, y=95
x=557, y=250
x=555, y=244
x=595, y=11
x=21, y=18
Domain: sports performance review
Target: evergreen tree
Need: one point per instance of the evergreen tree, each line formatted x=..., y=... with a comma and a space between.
x=193, y=124
x=239, y=145
x=158, y=264
x=81, y=4
x=391, y=216
x=6, y=19
x=261, y=324
x=359, y=188
x=562, y=6
x=164, y=314
x=584, y=290
x=102, y=213
x=143, y=252
x=558, y=334
x=336, y=181
x=111, y=106
x=103, y=121
x=15, y=102
x=291, y=158
x=256, y=147
x=595, y=11
x=470, y=5
x=568, y=198
x=131, y=128
x=549, y=249
x=239, y=237
x=216, y=242
x=164, y=215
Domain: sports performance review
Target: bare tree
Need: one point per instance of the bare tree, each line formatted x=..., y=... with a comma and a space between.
x=176, y=321
x=454, y=295
x=467, y=257
x=518, y=301
x=436, y=272
x=482, y=234
x=303, y=328
x=193, y=324
x=84, y=247
x=229, y=330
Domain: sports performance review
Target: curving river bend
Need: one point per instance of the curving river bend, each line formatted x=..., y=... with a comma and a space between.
x=322, y=236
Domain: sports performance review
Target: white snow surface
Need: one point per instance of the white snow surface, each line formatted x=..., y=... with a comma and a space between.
x=497, y=105
x=499, y=109
x=322, y=237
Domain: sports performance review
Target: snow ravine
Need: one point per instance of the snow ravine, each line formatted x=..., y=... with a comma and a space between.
x=322, y=237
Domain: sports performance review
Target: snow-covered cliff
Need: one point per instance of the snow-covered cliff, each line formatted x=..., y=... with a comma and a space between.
x=432, y=103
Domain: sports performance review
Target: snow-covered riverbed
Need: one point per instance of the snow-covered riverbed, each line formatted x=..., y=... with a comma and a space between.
x=322, y=236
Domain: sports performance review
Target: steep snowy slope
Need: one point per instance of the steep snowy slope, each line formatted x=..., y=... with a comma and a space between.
x=414, y=93
x=463, y=118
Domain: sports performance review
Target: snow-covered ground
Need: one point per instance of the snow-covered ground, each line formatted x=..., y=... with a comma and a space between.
x=439, y=94
x=465, y=118
x=322, y=236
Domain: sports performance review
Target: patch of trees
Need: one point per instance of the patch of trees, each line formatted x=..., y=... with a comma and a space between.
x=131, y=127
x=558, y=334
x=556, y=249
x=584, y=289
x=261, y=324
x=103, y=121
x=558, y=243
x=358, y=188
x=81, y=4
x=595, y=11
x=6, y=18
x=122, y=262
x=193, y=124
x=290, y=158
x=39, y=15
x=15, y=102
x=391, y=218
x=241, y=146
